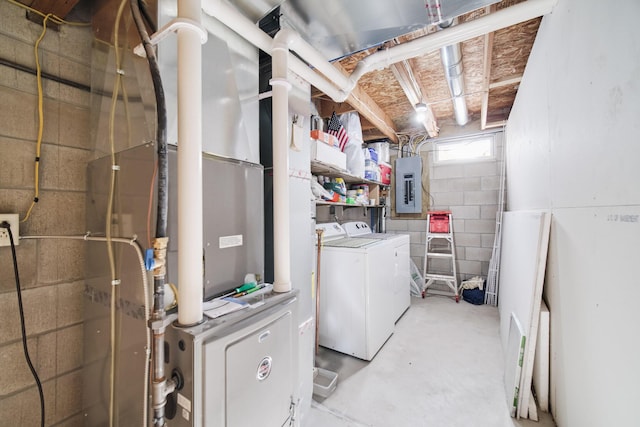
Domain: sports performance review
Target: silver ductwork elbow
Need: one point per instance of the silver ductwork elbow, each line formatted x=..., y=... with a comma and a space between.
x=452, y=61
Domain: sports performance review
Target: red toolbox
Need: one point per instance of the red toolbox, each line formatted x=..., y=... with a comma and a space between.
x=439, y=221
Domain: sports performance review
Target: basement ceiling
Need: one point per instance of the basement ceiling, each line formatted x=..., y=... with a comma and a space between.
x=493, y=64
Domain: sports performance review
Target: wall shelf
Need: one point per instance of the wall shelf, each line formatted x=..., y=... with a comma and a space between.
x=324, y=169
x=348, y=205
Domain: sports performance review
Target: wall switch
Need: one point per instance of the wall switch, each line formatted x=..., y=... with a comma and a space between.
x=15, y=230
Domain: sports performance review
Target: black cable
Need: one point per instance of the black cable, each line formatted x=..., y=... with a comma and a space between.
x=6, y=225
x=147, y=16
x=161, y=112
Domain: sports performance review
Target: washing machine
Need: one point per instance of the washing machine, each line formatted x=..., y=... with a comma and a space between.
x=355, y=317
x=399, y=263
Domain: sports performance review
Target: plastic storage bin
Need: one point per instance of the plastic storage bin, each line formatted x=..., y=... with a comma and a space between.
x=325, y=382
x=439, y=221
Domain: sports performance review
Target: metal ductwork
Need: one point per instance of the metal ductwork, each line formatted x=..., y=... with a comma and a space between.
x=452, y=61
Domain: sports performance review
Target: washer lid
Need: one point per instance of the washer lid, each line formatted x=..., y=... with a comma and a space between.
x=351, y=242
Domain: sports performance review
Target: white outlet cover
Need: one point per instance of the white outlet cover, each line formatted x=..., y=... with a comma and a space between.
x=14, y=221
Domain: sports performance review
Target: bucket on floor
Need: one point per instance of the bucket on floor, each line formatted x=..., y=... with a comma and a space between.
x=324, y=382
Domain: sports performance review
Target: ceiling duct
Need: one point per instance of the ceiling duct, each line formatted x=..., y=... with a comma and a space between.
x=338, y=86
x=338, y=28
x=452, y=61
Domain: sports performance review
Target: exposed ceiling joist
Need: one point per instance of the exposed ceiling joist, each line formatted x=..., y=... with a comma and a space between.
x=366, y=126
x=506, y=82
x=497, y=124
x=414, y=92
x=328, y=106
x=494, y=64
x=359, y=101
x=369, y=109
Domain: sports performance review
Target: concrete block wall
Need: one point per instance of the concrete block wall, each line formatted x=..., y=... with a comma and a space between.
x=51, y=271
x=471, y=191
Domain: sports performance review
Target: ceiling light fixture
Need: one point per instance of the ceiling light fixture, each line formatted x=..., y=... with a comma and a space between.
x=421, y=107
x=421, y=111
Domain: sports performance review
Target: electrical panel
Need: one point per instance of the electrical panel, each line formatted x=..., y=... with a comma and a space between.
x=409, y=184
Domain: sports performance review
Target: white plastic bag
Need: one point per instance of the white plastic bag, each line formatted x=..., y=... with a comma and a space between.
x=474, y=282
x=353, y=149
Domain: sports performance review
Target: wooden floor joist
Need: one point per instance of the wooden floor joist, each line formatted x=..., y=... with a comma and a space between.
x=505, y=82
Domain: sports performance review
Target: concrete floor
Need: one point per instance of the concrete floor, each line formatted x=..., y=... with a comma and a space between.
x=443, y=366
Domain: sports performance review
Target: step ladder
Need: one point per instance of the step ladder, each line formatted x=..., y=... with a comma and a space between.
x=440, y=245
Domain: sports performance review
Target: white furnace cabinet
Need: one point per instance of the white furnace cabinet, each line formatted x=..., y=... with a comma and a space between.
x=239, y=370
x=356, y=316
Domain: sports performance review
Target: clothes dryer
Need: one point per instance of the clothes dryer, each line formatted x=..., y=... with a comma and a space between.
x=398, y=263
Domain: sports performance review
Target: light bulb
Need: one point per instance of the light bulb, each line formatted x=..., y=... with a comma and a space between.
x=421, y=107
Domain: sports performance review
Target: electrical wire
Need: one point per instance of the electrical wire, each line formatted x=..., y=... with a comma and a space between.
x=25, y=347
x=57, y=20
x=108, y=239
x=145, y=288
x=114, y=281
x=40, y=119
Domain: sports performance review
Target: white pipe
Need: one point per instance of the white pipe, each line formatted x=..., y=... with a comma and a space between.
x=190, y=226
x=280, y=101
x=503, y=18
x=339, y=89
x=235, y=20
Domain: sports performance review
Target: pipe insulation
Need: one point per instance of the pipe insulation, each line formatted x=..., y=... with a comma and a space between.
x=190, y=217
x=280, y=101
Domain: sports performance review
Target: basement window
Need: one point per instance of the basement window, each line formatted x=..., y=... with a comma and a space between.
x=480, y=148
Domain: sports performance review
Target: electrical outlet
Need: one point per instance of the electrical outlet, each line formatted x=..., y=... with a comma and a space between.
x=15, y=229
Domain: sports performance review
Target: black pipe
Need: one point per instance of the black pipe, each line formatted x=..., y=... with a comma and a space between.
x=44, y=75
x=161, y=111
x=160, y=243
x=62, y=80
x=147, y=16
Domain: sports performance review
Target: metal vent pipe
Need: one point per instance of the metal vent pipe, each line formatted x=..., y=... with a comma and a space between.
x=452, y=61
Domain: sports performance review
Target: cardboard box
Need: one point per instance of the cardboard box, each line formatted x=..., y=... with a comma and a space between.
x=321, y=152
x=325, y=137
